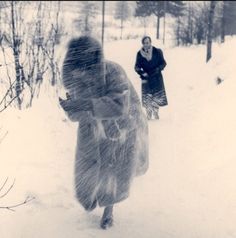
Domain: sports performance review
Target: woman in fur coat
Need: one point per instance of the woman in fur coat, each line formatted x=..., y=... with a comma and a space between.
x=112, y=146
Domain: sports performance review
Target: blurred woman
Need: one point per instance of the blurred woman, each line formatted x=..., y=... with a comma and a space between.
x=112, y=146
x=149, y=64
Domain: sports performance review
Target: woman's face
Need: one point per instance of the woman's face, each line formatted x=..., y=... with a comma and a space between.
x=147, y=44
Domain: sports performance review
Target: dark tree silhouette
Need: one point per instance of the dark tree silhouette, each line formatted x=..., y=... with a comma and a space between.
x=210, y=30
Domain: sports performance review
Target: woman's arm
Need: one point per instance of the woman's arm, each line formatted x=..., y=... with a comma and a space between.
x=162, y=62
x=115, y=102
x=74, y=109
x=112, y=105
x=137, y=67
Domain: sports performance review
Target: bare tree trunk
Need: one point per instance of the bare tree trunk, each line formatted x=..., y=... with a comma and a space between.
x=16, y=54
x=53, y=68
x=103, y=22
x=121, y=28
x=164, y=23
x=178, y=30
x=210, y=30
x=144, y=25
x=222, y=35
x=158, y=26
x=190, y=24
x=56, y=29
x=121, y=21
x=86, y=28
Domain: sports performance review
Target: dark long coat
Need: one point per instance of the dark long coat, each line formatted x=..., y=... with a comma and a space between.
x=153, y=84
x=105, y=165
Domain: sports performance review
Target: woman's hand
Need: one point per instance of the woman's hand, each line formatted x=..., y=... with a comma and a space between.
x=73, y=106
x=145, y=75
x=66, y=104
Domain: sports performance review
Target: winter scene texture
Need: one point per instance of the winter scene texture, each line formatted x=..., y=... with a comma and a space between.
x=80, y=155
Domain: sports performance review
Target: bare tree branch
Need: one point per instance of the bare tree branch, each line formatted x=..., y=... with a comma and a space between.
x=8, y=190
x=9, y=103
x=7, y=92
x=4, y=184
x=5, y=62
x=1, y=139
x=27, y=200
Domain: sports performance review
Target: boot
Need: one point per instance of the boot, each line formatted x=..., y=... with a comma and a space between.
x=107, y=218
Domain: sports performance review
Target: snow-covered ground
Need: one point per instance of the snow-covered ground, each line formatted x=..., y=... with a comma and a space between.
x=189, y=189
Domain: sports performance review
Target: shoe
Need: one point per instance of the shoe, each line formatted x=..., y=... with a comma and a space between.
x=106, y=223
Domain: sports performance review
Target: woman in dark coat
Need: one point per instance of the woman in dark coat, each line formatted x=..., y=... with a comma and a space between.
x=112, y=145
x=149, y=64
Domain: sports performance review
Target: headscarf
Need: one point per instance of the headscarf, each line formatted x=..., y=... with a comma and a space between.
x=147, y=54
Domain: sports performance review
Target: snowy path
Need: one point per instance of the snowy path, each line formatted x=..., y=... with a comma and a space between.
x=188, y=192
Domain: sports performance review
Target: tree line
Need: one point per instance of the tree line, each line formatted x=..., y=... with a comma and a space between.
x=198, y=22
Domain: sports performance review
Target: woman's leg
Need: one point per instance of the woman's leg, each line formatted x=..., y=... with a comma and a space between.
x=147, y=103
x=155, y=105
x=107, y=218
x=146, y=100
x=149, y=112
x=156, y=112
